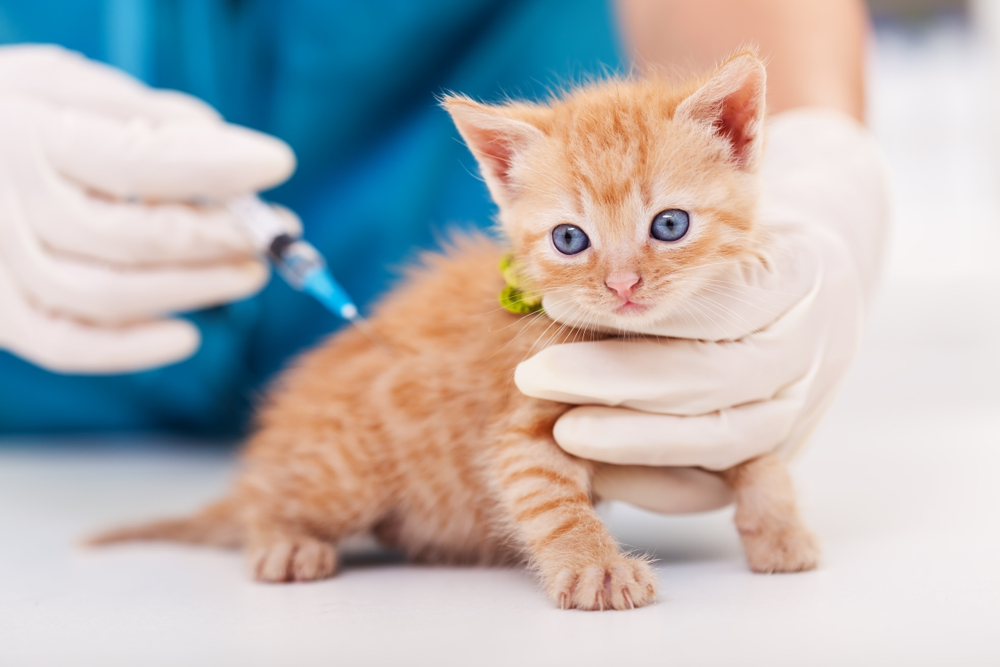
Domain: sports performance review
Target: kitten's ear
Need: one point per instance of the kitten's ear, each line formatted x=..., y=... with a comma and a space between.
x=731, y=104
x=496, y=139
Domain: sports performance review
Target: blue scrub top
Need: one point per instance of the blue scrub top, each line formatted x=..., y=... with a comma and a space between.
x=352, y=86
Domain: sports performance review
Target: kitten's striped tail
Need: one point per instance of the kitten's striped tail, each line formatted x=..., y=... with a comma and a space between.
x=216, y=525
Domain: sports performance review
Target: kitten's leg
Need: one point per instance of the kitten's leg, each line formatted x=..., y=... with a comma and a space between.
x=773, y=535
x=302, y=500
x=546, y=495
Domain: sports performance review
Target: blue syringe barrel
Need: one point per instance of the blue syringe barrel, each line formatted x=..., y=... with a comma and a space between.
x=297, y=261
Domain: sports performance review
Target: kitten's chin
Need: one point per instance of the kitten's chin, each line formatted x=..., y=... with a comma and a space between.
x=631, y=308
x=631, y=316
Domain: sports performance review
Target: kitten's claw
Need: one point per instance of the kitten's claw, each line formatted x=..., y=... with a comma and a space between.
x=628, y=598
x=626, y=583
x=293, y=559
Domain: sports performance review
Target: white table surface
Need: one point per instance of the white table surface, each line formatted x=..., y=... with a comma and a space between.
x=901, y=483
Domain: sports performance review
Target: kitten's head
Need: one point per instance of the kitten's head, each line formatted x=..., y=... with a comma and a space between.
x=620, y=197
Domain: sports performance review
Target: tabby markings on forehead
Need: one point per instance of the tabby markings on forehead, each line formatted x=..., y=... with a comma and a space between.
x=608, y=154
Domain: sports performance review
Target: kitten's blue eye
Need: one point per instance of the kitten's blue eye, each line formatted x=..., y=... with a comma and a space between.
x=570, y=239
x=669, y=225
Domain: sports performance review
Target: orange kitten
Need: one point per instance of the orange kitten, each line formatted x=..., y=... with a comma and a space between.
x=616, y=197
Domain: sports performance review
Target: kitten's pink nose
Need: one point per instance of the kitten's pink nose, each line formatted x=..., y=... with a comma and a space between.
x=623, y=285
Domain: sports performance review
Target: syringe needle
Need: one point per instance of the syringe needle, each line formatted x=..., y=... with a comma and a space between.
x=365, y=327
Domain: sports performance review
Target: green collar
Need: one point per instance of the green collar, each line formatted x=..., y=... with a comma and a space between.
x=514, y=297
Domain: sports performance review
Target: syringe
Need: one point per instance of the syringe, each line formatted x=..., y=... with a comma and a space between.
x=297, y=261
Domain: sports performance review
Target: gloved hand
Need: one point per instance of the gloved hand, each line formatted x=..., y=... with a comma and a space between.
x=753, y=361
x=99, y=241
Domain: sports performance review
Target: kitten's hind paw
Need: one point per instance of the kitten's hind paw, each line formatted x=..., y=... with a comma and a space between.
x=773, y=551
x=293, y=559
x=625, y=583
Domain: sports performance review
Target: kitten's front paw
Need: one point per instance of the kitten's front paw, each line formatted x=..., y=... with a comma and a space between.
x=293, y=559
x=790, y=550
x=624, y=583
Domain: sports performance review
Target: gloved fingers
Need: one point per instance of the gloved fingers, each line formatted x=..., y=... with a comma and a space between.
x=65, y=78
x=665, y=490
x=70, y=346
x=716, y=441
x=172, y=161
x=679, y=377
x=124, y=233
x=293, y=224
x=105, y=294
x=66, y=346
x=116, y=295
x=131, y=233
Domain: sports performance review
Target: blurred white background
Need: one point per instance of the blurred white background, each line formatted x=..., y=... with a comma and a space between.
x=934, y=100
x=900, y=481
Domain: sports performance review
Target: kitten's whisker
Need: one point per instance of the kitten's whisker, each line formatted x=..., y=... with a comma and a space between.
x=684, y=312
x=698, y=314
x=713, y=289
x=761, y=308
x=744, y=286
x=705, y=265
x=582, y=330
x=525, y=325
x=727, y=315
x=524, y=322
x=723, y=315
x=542, y=335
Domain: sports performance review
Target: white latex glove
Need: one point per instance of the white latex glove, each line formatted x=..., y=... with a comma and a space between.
x=753, y=361
x=97, y=244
